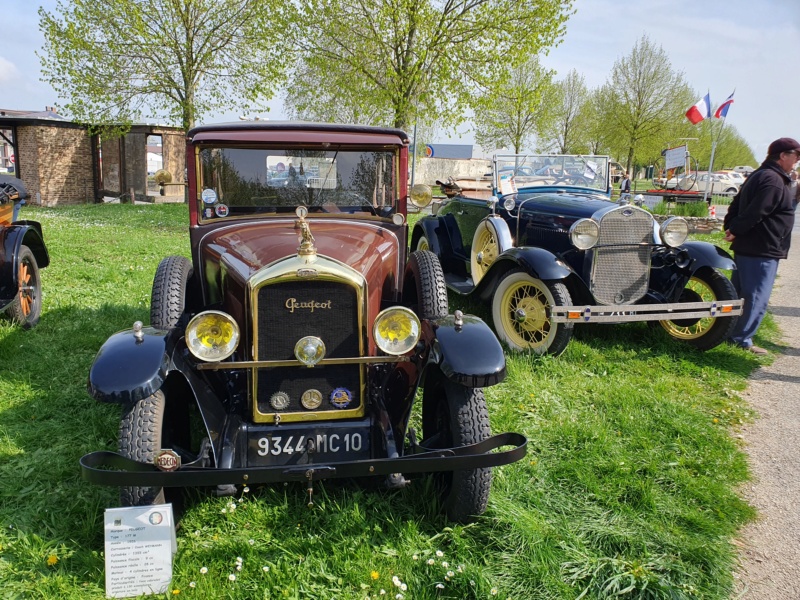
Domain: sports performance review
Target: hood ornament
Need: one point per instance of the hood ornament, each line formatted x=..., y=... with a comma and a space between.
x=307, y=247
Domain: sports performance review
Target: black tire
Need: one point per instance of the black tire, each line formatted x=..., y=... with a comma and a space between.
x=168, y=299
x=452, y=416
x=424, y=289
x=27, y=307
x=521, y=314
x=705, y=285
x=141, y=435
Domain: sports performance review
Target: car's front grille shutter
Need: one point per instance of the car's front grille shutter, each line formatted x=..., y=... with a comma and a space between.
x=620, y=272
x=280, y=327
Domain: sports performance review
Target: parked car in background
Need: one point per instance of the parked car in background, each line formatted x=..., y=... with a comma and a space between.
x=550, y=256
x=744, y=169
x=715, y=183
x=293, y=344
x=22, y=254
x=735, y=176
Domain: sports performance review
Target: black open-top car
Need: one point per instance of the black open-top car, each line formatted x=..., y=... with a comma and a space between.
x=547, y=247
x=22, y=254
x=293, y=344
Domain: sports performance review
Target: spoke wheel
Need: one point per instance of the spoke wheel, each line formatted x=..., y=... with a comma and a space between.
x=27, y=306
x=707, y=332
x=485, y=250
x=452, y=416
x=521, y=313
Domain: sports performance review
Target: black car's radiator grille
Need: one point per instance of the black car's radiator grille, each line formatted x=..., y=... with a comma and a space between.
x=289, y=311
x=620, y=273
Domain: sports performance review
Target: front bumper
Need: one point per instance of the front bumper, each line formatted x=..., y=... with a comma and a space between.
x=111, y=468
x=625, y=313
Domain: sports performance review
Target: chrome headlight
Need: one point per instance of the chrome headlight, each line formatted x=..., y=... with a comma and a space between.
x=584, y=233
x=212, y=336
x=309, y=350
x=509, y=204
x=674, y=231
x=396, y=330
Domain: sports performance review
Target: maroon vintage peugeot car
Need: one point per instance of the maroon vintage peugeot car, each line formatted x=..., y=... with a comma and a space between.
x=292, y=345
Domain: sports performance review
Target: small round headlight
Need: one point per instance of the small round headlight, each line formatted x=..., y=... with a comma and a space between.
x=212, y=336
x=309, y=350
x=584, y=233
x=396, y=330
x=674, y=231
x=509, y=203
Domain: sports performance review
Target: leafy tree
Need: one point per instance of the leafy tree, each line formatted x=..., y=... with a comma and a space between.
x=569, y=129
x=116, y=61
x=513, y=114
x=641, y=100
x=398, y=61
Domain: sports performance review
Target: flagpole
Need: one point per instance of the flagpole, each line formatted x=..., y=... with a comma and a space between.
x=714, y=148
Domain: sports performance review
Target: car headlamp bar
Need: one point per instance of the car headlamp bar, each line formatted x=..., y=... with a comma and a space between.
x=260, y=364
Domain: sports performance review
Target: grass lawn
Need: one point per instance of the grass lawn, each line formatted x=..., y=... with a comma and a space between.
x=629, y=487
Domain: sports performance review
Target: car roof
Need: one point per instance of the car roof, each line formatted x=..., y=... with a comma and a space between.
x=246, y=130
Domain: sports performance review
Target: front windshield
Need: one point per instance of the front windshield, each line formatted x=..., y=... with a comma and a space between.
x=514, y=172
x=242, y=181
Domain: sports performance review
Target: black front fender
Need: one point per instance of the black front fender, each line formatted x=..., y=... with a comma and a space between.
x=704, y=254
x=127, y=369
x=468, y=353
x=12, y=238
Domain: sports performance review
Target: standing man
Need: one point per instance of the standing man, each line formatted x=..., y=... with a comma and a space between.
x=625, y=187
x=759, y=226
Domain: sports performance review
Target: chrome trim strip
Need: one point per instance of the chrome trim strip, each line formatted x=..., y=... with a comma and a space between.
x=624, y=313
x=250, y=364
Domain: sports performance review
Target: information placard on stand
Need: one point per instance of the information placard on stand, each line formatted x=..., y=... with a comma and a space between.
x=139, y=545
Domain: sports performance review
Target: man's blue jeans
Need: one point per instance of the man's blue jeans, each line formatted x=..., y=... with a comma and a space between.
x=753, y=278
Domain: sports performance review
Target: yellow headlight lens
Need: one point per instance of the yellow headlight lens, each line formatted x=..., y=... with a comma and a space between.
x=212, y=336
x=309, y=350
x=396, y=330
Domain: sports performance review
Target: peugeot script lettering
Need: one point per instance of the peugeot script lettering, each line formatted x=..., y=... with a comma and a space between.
x=311, y=305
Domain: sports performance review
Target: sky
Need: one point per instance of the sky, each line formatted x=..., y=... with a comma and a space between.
x=752, y=46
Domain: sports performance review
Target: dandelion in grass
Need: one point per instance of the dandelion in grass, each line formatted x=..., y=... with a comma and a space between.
x=415, y=557
x=383, y=592
x=231, y=577
x=374, y=575
x=450, y=574
x=493, y=591
x=431, y=561
x=404, y=587
x=399, y=597
x=251, y=542
x=265, y=569
x=439, y=553
x=445, y=564
x=192, y=584
x=203, y=570
x=52, y=560
x=239, y=567
x=460, y=568
x=175, y=592
x=239, y=559
x=245, y=489
x=396, y=580
x=439, y=586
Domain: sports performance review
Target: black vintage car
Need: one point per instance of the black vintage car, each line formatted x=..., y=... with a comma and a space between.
x=292, y=346
x=22, y=254
x=547, y=247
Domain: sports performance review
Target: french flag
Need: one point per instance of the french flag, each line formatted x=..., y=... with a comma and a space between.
x=700, y=111
x=722, y=109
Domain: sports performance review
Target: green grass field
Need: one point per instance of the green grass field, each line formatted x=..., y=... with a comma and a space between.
x=628, y=490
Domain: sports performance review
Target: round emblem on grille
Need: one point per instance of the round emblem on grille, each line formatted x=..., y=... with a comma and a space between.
x=167, y=460
x=341, y=397
x=311, y=399
x=627, y=212
x=279, y=400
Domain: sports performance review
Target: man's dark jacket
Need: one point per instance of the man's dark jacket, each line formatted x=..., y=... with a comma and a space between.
x=761, y=215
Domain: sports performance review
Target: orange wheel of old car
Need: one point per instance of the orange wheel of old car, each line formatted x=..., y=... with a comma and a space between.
x=27, y=307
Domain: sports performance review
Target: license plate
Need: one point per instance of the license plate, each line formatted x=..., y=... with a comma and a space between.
x=304, y=445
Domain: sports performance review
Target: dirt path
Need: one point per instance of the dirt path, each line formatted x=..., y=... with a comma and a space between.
x=770, y=546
